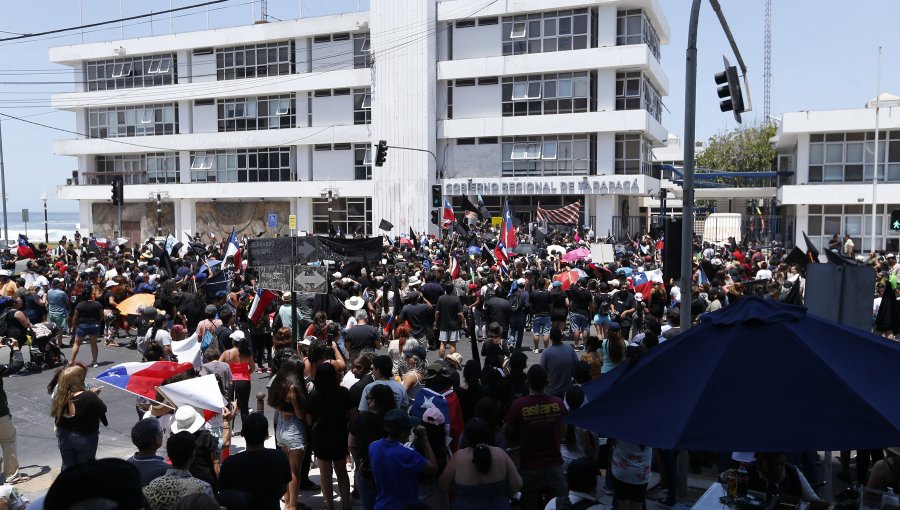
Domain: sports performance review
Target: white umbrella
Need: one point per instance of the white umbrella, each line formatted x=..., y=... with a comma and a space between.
x=555, y=248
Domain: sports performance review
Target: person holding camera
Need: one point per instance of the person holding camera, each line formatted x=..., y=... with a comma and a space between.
x=7, y=429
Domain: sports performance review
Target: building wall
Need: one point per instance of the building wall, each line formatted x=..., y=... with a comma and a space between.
x=246, y=217
x=140, y=216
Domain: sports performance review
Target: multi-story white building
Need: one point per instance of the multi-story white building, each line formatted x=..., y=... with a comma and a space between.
x=535, y=102
x=832, y=155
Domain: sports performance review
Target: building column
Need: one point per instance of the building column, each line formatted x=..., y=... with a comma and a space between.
x=86, y=216
x=604, y=209
x=185, y=218
x=303, y=208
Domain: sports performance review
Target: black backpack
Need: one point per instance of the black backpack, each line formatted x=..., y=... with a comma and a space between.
x=5, y=317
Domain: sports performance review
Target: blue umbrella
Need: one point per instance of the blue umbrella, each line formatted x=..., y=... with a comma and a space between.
x=474, y=250
x=205, y=268
x=756, y=376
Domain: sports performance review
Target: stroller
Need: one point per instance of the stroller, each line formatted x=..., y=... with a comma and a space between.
x=43, y=350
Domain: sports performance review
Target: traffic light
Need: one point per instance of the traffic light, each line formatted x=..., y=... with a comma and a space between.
x=436, y=196
x=381, y=153
x=895, y=220
x=118, y=195
x=730, y=91
x=434, y=217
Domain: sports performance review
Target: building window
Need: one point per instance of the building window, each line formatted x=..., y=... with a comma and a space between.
x=362, y=161
x=362, y=106
x=257, y=113
x=525, y=156
x=634, y=154
x=635, y=92
x=543, y=32
x=268, y=164
x=346, y=216
x=633, y=27
x=140, y=120
x=361, y=51
x=826, y=221
x=850, y=157
x=255, y=60
x=548, y=94
x=131, y=72
x=154, y=168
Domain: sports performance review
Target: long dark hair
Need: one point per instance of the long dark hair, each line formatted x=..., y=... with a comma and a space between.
x=290, y=374
x=615, y=345
x=479, y=435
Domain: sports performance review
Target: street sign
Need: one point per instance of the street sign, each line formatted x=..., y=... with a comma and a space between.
x=272, y=220
x=292, y=222
x=275, y=277
x=308, y=249
x=310, y=279
x=268, y=251
x=24, y=215
x=895, y=220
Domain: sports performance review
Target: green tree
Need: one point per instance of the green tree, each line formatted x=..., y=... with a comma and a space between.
x=743, y=150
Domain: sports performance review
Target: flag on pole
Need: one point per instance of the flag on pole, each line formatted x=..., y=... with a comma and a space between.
x=448, y=216
x=260, y=302
x=233, y=249
x=142, y=378
x=567, y=215
x=170, y=243
x=471, y=209
x=454, y=268
x=198, y=392
x=643, y=282
x=25, y=249
x=486, y=255
x=188, y=351
x=507, y=230
x=501, y=256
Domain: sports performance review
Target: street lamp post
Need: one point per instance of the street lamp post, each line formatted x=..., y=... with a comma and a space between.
x=46, y=230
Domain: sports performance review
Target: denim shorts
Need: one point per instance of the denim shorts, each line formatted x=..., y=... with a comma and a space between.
x=602, y=319
x=540, y=324
x=290, y=433
x=89, y=329
x=578, y=322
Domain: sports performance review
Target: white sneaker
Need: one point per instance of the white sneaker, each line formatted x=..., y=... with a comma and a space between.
x=15, y=478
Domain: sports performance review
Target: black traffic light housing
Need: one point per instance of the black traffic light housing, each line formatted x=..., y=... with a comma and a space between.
x=381, y=153
x=434, y=217
x=730, y=91
x=895, y=220
x=436, y=196
x=118, y=191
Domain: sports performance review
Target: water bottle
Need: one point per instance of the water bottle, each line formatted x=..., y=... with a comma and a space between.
x=742, y=481
x=890, y=501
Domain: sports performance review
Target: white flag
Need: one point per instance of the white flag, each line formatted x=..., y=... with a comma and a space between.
x=199, y=392
x=188, y=351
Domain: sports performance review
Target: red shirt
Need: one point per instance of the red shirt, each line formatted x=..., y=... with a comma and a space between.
x=535, y=421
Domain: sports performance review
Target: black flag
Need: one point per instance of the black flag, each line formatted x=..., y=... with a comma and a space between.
x=811, y=250
x=385, y=225
x=414, y=238
x=467, y=205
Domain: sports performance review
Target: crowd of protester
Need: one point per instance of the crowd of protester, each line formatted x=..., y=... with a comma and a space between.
x=371, y=378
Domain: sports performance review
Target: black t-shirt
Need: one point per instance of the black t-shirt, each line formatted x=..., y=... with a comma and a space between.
x=89, y=312
x=361, y=336
x=356, y=390
x=420, y=317
x=104, y=299
x=193, y=310
x=540, y=302
x=202, y=466
x=223, y=338
x=449, y=307
x=367, y=429
x=601, y=303
x=623, y=300
x=263, y=474
x=579, y=300
x=498, y=310
x=90, y=412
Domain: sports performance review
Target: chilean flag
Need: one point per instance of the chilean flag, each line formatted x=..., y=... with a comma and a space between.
x=501, y=256
x=233, y=248
x=260, y=303
x=448, y=217
x=507, y=230
x=25, y=250
x=454, y=268
x=447, y=403
x=643, y=282
x=142, y=378
x=387, y=327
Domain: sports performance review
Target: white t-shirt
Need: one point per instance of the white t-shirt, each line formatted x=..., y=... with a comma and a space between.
x=162, y=337
x=764, y=274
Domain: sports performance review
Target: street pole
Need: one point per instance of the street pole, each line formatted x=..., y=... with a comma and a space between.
x=3, y=187
x=158, y=215
x=875, y=168
x=687, y=199
x=46, y=230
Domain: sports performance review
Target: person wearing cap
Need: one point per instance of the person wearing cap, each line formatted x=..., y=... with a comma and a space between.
x=240, y=358
x=164, y=492
x=396, y=467
x=448, y=316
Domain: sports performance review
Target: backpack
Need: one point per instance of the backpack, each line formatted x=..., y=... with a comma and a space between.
x=207, y=340
x=562, y=502
x=489, y=291
x=4, y=320
x=516, y=301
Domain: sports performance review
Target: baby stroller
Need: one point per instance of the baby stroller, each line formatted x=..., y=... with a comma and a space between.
x=44, y=350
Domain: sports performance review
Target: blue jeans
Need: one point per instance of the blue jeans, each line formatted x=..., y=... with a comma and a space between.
x=367, y=490
x=516, y=331
x=75, y=448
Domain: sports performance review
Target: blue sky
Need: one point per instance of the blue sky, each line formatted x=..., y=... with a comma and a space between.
x=824, y=57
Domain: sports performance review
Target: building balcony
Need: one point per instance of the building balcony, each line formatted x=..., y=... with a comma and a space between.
x=211, y=191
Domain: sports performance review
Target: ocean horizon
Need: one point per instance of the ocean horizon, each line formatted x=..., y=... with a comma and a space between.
x=58, y=224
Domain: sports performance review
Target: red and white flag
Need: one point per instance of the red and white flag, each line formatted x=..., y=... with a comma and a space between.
x=260, y=303
x=233, y=249
x=454, y=268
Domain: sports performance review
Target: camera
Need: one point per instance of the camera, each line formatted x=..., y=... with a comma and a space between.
x=6, y=340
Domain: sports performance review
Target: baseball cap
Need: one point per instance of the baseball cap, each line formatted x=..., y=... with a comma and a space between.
x=396, y=420
x=433, y=416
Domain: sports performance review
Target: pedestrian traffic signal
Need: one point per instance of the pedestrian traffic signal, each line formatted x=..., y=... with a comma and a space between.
x=435, y=219
x=436, y=196
x=118, y=191
x=730, y=91
x=895, y=220
x=381, y=153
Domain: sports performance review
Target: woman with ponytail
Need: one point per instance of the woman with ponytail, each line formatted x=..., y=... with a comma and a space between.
x=494, y=479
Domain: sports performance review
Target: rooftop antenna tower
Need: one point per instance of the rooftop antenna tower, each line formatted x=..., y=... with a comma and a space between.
x=767, y=66
x=263, y=10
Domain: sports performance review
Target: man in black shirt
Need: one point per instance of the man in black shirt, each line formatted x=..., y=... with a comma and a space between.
x=498, y=309
x=261, y=472
x=624, y=306
x=540, y=315
x=580, y=305
x=449, y=318
x=362, y=337
x=420, y=317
